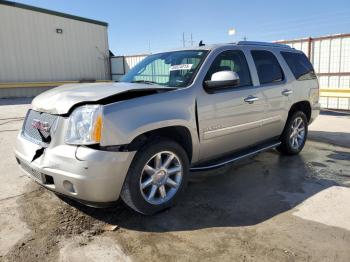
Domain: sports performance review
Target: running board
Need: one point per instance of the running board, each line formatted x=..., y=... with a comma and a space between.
x=238, y=156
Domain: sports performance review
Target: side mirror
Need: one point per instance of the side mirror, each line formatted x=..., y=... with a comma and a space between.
x=221, y=80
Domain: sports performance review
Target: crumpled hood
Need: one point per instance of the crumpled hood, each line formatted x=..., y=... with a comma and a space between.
x=61, y=99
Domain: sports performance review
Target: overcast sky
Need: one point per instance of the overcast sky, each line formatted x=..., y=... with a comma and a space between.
x=139, y=26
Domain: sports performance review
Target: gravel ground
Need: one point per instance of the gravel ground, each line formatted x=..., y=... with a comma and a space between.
x=266, y=208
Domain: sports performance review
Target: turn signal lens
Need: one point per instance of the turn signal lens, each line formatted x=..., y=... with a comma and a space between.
x=96, y=135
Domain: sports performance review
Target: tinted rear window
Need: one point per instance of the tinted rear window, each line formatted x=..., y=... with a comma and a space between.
x=267, y=66
x=300, y=65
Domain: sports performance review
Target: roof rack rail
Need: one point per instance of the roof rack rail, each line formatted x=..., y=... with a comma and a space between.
x=263, y=44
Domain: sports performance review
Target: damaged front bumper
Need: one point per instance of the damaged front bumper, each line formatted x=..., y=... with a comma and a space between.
x=82, y=173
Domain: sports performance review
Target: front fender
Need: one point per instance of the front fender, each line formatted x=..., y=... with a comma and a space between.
x=124, y=121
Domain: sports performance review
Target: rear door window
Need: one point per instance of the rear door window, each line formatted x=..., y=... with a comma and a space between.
x=267, y=66
x=300, y=65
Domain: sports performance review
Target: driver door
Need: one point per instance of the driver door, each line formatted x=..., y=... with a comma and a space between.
x=229, y=118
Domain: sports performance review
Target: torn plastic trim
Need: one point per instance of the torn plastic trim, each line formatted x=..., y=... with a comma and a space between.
x=38, y=153
x=111, y=148
x=133, y=146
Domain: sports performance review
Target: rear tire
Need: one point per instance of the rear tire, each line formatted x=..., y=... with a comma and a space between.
x=157, y=176
x=294, y=134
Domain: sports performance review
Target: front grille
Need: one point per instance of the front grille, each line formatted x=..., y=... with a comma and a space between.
x=36, y=174
x=39, y=136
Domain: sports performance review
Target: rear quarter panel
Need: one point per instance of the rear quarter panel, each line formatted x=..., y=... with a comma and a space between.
x=305, y=90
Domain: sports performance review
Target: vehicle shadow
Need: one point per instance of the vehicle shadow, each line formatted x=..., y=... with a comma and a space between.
x=242, y=194
x=335, y=138
x=329, y=112
x=15, y=101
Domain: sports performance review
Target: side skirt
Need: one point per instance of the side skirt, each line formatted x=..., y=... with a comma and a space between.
x=235, y=156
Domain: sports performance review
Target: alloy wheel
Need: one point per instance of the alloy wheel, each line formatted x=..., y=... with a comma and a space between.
x=297, y=135
x=161, y=177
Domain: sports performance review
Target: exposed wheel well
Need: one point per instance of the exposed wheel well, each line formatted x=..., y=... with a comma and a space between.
x=303, y=106
x=179, y=134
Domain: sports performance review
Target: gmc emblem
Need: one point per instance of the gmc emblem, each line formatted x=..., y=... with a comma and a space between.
x=40, y=125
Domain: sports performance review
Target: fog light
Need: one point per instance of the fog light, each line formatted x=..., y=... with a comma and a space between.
x=69, y=187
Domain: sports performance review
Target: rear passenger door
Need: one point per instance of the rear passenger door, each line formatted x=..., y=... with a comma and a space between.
x=273, y=86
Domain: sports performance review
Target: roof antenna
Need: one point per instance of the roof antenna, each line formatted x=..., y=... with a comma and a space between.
x=201, y=43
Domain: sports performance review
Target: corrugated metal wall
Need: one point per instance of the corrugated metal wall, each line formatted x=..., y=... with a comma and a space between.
x=120, y=65
x=157, y=72
x=131, y=61
x=32, y=51
x=330, y=56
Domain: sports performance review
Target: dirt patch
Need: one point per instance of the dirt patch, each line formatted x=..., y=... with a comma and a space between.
x=51, y=221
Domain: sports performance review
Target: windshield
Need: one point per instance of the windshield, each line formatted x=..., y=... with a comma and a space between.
x=171, y=69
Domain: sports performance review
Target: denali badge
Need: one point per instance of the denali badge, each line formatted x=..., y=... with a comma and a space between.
x=40, y=125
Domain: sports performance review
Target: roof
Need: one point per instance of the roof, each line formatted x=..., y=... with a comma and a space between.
x=50, y=12
x=240, y=43
x=267, y=44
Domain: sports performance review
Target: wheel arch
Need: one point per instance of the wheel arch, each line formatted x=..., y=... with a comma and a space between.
x=303, y=106
x=178, y=133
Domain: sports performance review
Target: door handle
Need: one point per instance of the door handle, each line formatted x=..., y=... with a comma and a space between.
x=251, y=99
x=287, y=92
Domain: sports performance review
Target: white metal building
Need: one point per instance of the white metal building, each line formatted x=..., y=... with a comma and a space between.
x=330, y=56
x=39, y=45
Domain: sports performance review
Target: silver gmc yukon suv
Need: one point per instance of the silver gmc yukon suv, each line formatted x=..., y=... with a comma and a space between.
x=175, y=112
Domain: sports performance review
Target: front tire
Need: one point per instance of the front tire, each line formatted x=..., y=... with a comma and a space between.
x=294, y=134
x=157, y=176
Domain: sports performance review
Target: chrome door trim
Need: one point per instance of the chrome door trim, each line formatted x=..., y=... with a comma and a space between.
x=271, y=120
x=239, y=128
x=231, y=129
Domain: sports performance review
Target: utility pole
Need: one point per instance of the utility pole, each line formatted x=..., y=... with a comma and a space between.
x=183, y=39
x=192, y=42
x=149, y=46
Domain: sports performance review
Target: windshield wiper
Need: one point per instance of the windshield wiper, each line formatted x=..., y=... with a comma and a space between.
x=144, y=82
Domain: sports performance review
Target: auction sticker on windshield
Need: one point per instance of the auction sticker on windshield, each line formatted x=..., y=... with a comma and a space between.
x=181, y=67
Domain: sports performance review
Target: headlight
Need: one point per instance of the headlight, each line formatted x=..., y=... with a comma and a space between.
x=85, y=125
